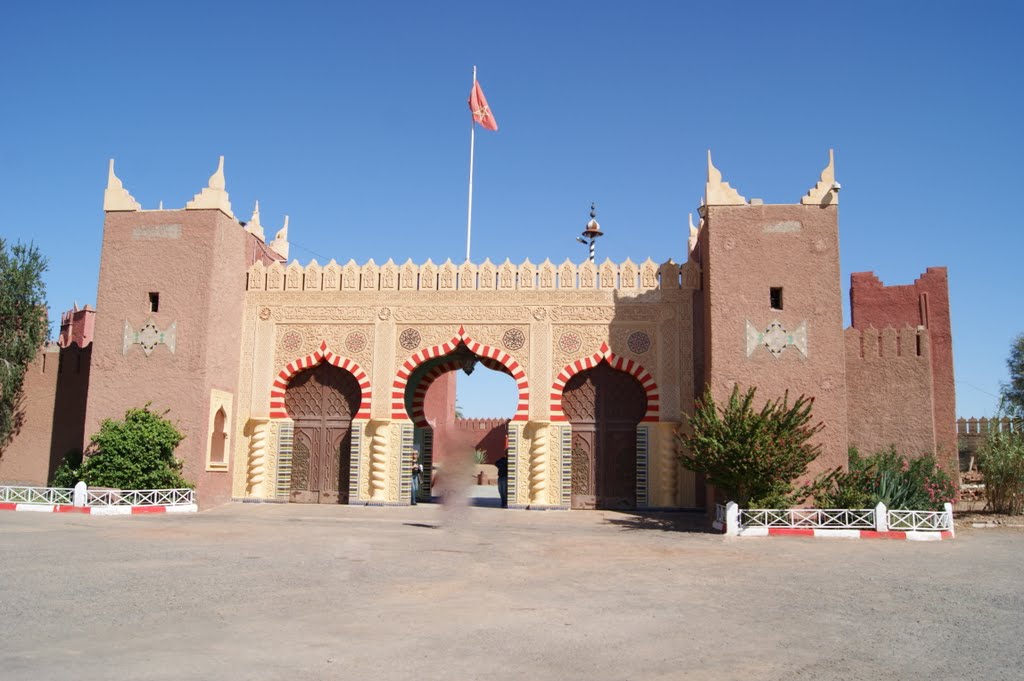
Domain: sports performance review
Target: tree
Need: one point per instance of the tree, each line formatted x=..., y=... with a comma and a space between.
x=1013, y=392
x=752, y=456
x=23, y=325
x=136, y=453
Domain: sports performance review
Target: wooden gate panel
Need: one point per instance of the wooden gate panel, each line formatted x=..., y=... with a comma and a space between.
x=583, y=488
x=322, y=401
x=604, y=406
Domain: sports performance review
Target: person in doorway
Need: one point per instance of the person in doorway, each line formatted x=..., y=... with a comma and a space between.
x=502, y=466
x=417, y=474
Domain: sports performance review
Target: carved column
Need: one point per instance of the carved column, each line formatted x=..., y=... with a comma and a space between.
x=256, y=469
x=539, y=434
x=380, y=452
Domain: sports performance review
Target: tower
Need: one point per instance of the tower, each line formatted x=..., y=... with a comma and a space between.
x=168, y=331
x=772, y=315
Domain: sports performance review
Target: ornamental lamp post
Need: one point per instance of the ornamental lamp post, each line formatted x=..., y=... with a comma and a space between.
x=591, y=232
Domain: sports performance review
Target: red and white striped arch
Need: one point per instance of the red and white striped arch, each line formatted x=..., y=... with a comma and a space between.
x=483, y=351
x=277, y=410
x=418, y=397
x=605, y=355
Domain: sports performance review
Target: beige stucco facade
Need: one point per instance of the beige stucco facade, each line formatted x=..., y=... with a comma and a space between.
x=537, y=321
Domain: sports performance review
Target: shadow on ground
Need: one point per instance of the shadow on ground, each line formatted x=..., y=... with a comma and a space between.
x=680, y=521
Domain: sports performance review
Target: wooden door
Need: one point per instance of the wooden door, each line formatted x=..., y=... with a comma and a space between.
x=321, y=401
x=604, y=406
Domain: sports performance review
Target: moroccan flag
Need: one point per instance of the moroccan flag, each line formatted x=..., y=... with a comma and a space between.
x=481, y=112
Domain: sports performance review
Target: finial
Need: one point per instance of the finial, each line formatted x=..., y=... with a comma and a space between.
x=826, y=191
x=691, y=242
x=214, y=196
x=116, y=197
x=280, y=242
x=217, y=179
x=253, y=226
x=717, y=192
x=593, y=210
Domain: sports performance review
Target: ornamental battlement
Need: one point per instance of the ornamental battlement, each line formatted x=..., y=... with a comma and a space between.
x=625, y=278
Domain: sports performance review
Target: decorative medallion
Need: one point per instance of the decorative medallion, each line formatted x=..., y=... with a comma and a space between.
x=570, y=342
x=409, y=339
x=291, y=342
x=384, y=313
x=149, y=336
x=776, y=338
x=514, y=339
x=638, y=342
x=264, y=313
x=540, y=313
x=355, y=342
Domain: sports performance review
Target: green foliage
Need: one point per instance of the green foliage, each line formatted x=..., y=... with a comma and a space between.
x=1001, y=460
x=136, y=453
x=23, y=325
x=66, y=474
x=887, y=477
x=752, y=456
x=1013, y=392
x=480, y=455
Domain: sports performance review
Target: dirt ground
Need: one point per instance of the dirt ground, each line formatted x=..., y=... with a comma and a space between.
x=307, y=592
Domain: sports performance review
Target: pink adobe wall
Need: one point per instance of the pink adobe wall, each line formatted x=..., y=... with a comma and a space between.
x=76, y=326
x=889, y=385
x=459, y=435
x=924, y=303
x=745, y=251
x=467, y=435
x=196, y=260
x=52, y=412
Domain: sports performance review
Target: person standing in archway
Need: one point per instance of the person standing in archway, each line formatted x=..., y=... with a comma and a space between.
x=417, y=474
x=502, y=466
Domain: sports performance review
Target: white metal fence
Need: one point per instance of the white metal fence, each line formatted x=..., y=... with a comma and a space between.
x=845, y=522
x=915, y=521
x=55, y=496
x=12, y=494
x=813, y=518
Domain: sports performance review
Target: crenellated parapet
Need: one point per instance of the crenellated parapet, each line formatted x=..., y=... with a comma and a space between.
x=907, y=343
x=625, y=277
x=890, y=390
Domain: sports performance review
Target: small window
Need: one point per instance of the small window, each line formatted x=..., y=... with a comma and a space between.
x=218, y=439
x=775, y=295
x=154, y=301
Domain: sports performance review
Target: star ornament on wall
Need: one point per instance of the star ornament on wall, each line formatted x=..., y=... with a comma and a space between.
x=775, y=338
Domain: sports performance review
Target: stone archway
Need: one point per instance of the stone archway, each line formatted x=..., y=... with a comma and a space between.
x=604, y=406
x=321, y=401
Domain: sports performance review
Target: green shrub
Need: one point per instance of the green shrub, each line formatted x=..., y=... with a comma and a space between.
x=66, y=474
x=136, y=453
x=888, y=477
x=752, y=456
x=1001, y=461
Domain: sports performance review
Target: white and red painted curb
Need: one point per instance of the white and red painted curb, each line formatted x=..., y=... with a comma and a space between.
x=910, y=535
x=99, y=510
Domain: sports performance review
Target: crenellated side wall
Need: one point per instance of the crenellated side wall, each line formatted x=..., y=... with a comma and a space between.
x=889, y=385
x=924, y=303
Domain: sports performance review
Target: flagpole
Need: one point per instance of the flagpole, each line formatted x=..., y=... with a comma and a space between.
x=472, y=140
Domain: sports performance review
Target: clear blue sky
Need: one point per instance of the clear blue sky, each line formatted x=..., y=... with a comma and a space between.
x=352, y=119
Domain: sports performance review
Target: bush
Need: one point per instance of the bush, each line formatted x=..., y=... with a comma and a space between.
x=1001, y=461
x=136, y=453
x=66, y=474
x=887, y=477
x=752, y=456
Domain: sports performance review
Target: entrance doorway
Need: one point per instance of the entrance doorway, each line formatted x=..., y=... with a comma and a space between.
x=604, y=406
x=321, y=400
x=462, y=415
